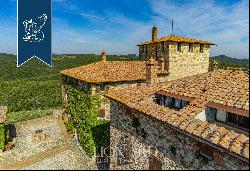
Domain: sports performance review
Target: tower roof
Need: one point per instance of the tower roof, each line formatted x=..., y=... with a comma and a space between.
x=179, y=39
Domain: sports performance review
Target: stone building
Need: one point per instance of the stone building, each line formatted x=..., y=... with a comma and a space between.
x=171, y=63
x=177, y=56
x=197, y=122
x=100, y=77
x=167, y=111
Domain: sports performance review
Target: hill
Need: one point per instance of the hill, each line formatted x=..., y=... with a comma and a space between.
x=225, y=61
x=35, y=85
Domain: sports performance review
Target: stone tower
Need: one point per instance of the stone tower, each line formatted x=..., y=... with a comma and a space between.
x=176, y=56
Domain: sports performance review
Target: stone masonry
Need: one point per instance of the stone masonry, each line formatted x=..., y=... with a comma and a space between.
x=191, y=58
x=132, y=145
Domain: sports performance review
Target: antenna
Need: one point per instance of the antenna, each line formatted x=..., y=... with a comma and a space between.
x=172, y=27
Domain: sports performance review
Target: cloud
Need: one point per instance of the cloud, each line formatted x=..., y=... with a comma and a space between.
x=228, y=26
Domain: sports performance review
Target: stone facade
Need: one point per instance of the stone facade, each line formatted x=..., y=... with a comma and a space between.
x=99, y=89
x=141, y=142
x=178, y=64
x=177, y=56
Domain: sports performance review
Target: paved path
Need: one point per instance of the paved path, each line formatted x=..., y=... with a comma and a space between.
x=57, y=151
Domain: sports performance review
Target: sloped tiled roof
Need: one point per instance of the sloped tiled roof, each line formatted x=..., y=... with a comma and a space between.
x=109, y=71
x=226, y=87
x=174, y=38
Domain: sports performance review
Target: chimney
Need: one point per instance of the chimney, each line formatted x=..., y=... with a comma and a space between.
x=151, y=71
x=161, y=64
x=104, y=57
x=154, y=33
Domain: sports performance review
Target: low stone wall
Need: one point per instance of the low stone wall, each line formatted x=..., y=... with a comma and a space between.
x=139, y=134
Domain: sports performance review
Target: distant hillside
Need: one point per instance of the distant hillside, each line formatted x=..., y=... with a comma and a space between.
x=225, y=61
x=35, y=85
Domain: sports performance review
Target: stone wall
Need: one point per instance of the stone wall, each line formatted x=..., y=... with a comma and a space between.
x=179, y=64
x=96, y=89
x=140, y=142
x=185, y=63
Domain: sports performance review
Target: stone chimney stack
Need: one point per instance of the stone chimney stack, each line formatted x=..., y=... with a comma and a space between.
x=154, y=33
x=104, y=57
x=161, y=64
x=151, y=71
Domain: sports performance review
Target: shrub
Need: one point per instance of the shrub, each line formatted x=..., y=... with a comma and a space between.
x=2, y=136
x=26, y=115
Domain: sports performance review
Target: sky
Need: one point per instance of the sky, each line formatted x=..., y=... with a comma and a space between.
x=90, y=26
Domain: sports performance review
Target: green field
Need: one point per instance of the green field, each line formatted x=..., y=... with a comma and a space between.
x=34, y=85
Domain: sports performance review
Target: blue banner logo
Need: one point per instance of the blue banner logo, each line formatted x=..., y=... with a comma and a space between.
x=34, y=31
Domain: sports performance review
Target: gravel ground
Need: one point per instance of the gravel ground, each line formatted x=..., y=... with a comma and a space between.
x=53, y=153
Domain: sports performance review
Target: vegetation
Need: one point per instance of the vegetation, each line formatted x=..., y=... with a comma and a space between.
x=4, y=135
x=225, y=61
x=35, y=85
x=20, y=116
x=83, y=109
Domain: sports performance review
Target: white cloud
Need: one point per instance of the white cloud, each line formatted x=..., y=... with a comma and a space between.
x=228, y=26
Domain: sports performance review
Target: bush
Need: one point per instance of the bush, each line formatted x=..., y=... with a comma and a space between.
x=3, y=136
x=26, y=115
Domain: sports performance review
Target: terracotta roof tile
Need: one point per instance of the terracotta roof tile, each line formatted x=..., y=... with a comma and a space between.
x=174, y=38
x=109, y=71
x=228, y=88
x=245, y=150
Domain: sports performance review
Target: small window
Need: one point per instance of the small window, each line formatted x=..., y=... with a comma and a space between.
x=157, y=101
x=232, y=118
x=102, y=87
x=243, y=122
x=107, y=88
x=238, y=120
x=201, y=48
x=98, y=89
x=102, y=113
x=190, y=47
x=178, y=47
x=206, y=150
x=162, y=45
